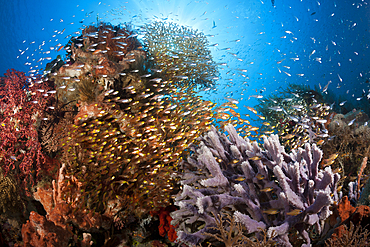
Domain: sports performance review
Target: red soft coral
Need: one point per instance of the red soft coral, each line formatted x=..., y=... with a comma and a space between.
x=22, y=102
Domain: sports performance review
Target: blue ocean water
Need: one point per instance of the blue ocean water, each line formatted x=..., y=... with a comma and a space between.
x=260, y=46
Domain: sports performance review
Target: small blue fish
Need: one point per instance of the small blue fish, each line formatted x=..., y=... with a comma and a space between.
x=214, y=25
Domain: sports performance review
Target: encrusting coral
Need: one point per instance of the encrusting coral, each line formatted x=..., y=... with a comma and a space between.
x=264, y=188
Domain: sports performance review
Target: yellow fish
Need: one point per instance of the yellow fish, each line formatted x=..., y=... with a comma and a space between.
x=223, y=115
x=333, y=156
x=339, y=188
x=271, y=211
x=240, y=179
x=338, y=170
x=260, y=176
x=294, y=212
x=327, y=163
x=255, y=158
x=268, y=189
x=252, y=128
x=289, y=136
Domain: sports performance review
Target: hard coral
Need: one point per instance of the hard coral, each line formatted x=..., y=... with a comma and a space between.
x=264, y=188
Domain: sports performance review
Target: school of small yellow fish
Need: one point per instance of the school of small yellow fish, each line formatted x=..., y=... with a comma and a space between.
x=121, y=124
x=298, y=118
x=187, y=59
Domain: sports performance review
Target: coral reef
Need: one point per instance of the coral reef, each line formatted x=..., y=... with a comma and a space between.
x=118, y=129
x=114, y=128
x=95, y=59
x=10, y=199
x=122, y=124
x=230, y=233
x=62, y=213
x=349, y=140
x=264, y=188
x=40, y=232
x=352, y=236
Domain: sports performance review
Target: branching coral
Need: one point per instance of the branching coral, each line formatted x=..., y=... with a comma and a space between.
x=354, y=236
x=351, y=228
x=230, y=232
x=181, y=54
x=264, y=188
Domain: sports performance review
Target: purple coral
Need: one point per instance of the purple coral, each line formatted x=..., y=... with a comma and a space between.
x=264, y=188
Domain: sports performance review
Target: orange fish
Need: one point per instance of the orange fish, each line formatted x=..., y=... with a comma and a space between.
x=60, y=48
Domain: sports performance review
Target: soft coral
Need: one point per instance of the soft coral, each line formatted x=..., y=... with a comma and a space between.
x=22, y=102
